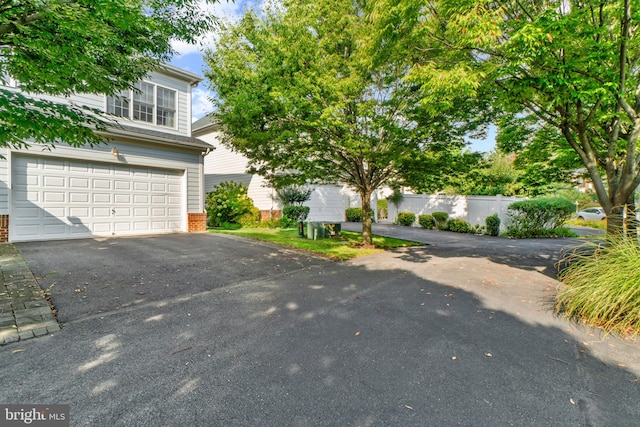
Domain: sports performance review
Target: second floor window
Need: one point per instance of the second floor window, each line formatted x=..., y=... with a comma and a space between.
x=148, y=103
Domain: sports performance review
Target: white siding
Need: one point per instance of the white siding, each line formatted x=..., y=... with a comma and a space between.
x=329, y=203
x=183, y=106
x=223, y=164
x=4, y=180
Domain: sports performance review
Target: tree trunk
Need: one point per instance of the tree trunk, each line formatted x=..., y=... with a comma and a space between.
x=615, y=222
x=632, y=221
x=365, y=198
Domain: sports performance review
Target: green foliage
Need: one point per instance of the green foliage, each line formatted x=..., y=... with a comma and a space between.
x=458, y=226
x=93, y=47
x=227, y=203
x=270, y=223
x=567, y=70
x=383, y=208
x=294, y=195
x=291, y=215
x=355, y=214
x=493, y=224
x=406, y=218
x=539, y=217
x=427, y=221
x=251, y=218
x=441, y=219
x=601, y=286
x=300, y=95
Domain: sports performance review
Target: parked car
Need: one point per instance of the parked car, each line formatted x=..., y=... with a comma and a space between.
x=592, y=214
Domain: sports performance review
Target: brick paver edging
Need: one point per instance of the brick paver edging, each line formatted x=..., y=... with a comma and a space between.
x=24, y=311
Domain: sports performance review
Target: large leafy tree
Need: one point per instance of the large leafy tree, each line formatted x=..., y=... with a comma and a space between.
x=60, y=47
x=299, y=96
x=572, y=65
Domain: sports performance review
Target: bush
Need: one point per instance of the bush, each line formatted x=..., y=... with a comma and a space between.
x=493, y=224
x=537, y=217
x=294, y=195
x=427, y=221
x=601, y=286
x=406, y=218
x=441, y=219
x=458, y=226
x=227, y=203
x=251, y=218
x=383, y=208
x=270, y=223
x=355, y=215
x=292, y=214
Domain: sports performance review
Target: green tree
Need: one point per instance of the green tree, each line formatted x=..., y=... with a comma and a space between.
x=60, y=47
x=300, y=97
x=570, y=65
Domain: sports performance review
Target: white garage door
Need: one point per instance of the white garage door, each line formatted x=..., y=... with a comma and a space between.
x=56, y=198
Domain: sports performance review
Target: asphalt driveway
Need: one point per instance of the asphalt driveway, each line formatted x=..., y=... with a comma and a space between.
x=211, y=330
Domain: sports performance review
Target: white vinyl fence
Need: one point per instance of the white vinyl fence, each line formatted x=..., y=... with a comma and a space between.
x=473, y=209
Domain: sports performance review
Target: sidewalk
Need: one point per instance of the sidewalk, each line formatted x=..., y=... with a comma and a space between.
x=24, y=311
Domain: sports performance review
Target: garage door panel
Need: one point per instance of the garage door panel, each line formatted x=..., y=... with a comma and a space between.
x=104, y=184
x=53, y=212
x=79, y=183
x=79, y=197
x=101, y=198
x=122, y=199
x=28, y=212
x=54, y=198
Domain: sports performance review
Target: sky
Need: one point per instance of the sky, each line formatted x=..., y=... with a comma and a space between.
x=189, y=57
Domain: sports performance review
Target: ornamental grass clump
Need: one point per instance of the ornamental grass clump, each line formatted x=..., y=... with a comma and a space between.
x=602, y=286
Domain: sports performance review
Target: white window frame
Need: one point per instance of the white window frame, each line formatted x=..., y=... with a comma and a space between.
x=155, y=111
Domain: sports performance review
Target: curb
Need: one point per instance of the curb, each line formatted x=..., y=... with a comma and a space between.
x=24, y=310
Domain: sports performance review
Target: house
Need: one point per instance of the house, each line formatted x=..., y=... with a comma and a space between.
x=328, y=203
x=147, y=178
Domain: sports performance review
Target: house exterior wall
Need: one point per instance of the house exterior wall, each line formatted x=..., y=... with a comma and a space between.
x=222, y=164
x=156, y=149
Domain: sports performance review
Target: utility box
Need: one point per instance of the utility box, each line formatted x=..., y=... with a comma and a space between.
x=321, y=230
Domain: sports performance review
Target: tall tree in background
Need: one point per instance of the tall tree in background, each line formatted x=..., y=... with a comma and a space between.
x=60, y=47
x=300, y=97
x=573, y=65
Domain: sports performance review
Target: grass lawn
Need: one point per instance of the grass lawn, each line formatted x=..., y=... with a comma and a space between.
x=344, y=247
x=601, y=225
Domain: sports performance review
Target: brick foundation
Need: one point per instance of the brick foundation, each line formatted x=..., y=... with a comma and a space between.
x=272, y=214
x=4, y=228
x=197, y=222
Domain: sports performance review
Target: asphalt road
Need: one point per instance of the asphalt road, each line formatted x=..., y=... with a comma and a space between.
x=211, y=330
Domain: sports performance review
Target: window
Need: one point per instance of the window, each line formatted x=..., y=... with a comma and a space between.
x=143, y=102
x=147, y=103
x=166, y=111
x=119, y=105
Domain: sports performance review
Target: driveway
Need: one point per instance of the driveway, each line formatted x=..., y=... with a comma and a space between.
x=212, y=330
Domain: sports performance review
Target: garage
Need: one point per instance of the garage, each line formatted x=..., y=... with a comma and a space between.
x=57, y=198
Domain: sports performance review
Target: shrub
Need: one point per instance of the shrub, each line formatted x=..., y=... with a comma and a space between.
x=601, y=286
x=294, y=195
x=441, y=219
x=251, y=218
x=383, y=208
x=427, y=221
x=270, y=223
x=493, y=224
x=406, y=218
x=292, y=214
x=458, y=226
x=227, y=203
x=355, y=215
x=536, y=217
